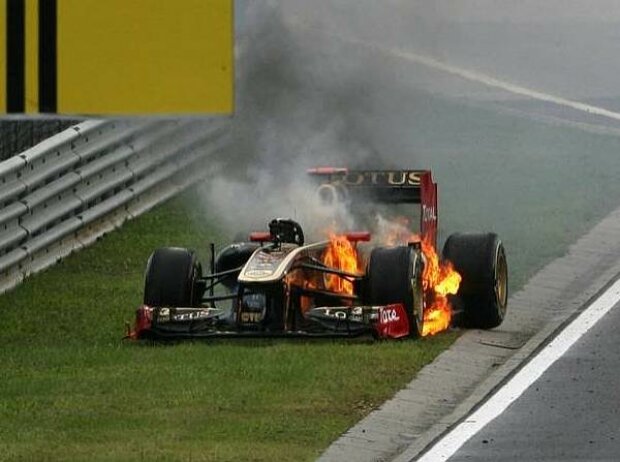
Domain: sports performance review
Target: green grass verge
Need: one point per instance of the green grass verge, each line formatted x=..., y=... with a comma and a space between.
x=71, y=390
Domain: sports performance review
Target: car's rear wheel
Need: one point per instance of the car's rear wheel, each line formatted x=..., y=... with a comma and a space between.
x=395, y=276
x=480, y=259
x=171, y=276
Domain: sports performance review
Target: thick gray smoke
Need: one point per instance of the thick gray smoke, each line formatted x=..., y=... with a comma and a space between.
x=296, y=108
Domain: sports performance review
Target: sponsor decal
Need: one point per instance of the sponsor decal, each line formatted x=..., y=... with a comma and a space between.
x=258, y=273
x=393, y=322
x=389, y=315
x=428, y=213
x=253, y=308
x=251, y=317
x=190, y=316
x=163, y=315
x=264, y=263
x=380, y=178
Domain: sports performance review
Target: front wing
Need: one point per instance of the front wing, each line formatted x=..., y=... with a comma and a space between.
x=170, y=323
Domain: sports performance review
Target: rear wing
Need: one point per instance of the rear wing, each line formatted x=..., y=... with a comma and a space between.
x=387, y=186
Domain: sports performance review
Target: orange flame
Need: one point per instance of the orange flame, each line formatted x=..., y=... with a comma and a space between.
x=302, y=280
x=340, y=254
x=439, y=279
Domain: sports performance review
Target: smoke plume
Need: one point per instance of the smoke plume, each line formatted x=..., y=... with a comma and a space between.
x=297, y=107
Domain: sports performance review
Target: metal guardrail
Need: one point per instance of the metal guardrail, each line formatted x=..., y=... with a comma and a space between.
x=18, y=133
x=66, y=191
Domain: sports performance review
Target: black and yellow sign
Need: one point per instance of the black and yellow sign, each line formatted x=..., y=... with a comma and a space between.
x=117, y=56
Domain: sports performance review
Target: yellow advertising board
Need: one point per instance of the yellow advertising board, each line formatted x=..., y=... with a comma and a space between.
x=118, y=56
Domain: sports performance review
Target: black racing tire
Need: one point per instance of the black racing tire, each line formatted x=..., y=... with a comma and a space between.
x=170, y=279
x=480, y=259
x=395, y=276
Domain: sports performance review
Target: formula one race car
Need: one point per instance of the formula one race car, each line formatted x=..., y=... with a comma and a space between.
x=277, y=285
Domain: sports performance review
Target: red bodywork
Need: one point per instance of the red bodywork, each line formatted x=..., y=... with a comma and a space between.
x=358, y=236
x=428, y=200
x=260, y=236
x=144, y=319
x=393, y=322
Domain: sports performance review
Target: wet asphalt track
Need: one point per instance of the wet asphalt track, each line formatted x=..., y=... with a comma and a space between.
x=572, y=412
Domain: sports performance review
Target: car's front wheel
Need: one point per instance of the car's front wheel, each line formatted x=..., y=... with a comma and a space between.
x=395, y=276
x=171, y=278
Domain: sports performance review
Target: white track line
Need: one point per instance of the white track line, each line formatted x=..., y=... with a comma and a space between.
x=501, y=84
x=494, y=406
x=473, y=76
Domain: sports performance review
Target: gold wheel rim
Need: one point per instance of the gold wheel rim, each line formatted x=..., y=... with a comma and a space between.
x=417, y=295
x=501, y=280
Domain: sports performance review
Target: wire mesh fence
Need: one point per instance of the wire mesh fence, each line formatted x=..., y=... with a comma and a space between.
x=18, y=135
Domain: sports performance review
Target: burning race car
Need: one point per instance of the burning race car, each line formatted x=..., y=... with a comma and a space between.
x=347, y=285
